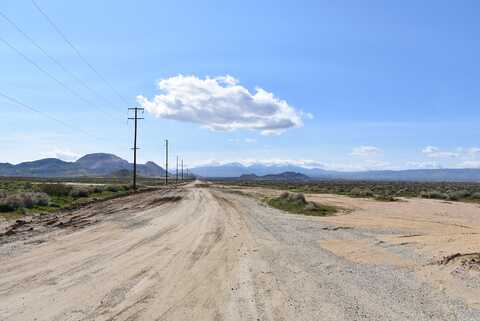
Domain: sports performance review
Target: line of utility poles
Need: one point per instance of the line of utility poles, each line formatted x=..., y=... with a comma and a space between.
x=178, y=174
x=135, y=118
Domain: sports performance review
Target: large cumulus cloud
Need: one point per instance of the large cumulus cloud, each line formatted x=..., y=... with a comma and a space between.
x=221, y=103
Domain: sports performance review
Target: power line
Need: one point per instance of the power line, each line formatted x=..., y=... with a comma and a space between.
x=58, y=81
x=17, y=102
x=53, y=59
x=64, y=37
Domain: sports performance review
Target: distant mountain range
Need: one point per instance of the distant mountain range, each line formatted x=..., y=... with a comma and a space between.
x=238, y=169
x=285, y=176
x=102, y=164
x=98, y=164
x=433, y=175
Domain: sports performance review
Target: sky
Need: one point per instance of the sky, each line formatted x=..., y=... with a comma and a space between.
x=345, y=85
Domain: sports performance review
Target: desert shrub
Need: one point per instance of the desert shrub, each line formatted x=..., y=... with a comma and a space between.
x=32, y=199
x=27, y=186
x=293, y=198
x=296, y=203
x=55, y=189
x=23, y=200
x=41, y=199
x=310, y=207
x=385, y=198
x=112, y=188
x=298, y=198
x=80, y=192
x=476, y=196
x=9, y=203
x=434, y=195
x=359, y=192
x=284, y=195
x=98, y=189
x=458, y=195
x=3, y=193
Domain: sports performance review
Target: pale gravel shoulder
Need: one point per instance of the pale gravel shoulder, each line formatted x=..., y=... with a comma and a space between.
x=320, y=282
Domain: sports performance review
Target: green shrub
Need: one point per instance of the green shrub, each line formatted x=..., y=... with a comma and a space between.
x=476, y=196
x=112, y=188
x=55, y=189
x=23, y=200
x=458, y=195
x=98, y=189
x=296, y=203
x=434, y=195
x=80, y=192
x=359, y=192
x=40, y=199
x=292, y=198
x=385, y=198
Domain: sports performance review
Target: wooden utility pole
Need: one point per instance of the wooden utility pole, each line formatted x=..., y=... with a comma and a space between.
x=176, y=173
x=135, y=118
x=182, y=169
x=166, y=161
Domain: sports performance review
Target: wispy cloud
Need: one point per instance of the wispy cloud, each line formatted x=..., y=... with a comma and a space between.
x=423, y=165
x=470, y=164
x=66, y=155
x=244, y=140
x=221, y=103
x=435, y=152
x=366, y=151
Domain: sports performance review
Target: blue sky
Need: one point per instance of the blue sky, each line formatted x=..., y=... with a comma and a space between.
x=390, y=84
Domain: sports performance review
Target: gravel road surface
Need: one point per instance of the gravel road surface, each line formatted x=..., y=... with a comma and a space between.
x=198, y=253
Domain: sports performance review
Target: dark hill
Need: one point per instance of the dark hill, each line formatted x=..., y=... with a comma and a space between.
x=98, y=164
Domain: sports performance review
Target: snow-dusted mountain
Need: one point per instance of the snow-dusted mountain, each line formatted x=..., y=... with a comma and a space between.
x=238, y=169
x=435, y=175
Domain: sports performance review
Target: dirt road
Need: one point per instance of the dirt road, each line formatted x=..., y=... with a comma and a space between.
x=209, y=254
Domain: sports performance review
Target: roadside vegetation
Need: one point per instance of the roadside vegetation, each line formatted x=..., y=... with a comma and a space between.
x=296, y=203
x=381, y=191
x=19, y=197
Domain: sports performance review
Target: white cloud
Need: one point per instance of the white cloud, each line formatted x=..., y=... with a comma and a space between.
x=366, y=151
x=245, y=140
x=222, y=104
x=470, y=164
x=434, y=152
x=65, y=155
x=473, y=151
x=423, y=165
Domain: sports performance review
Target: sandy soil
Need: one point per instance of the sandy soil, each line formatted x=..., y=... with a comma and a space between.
x=199, y=253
